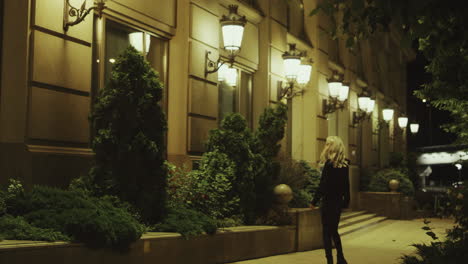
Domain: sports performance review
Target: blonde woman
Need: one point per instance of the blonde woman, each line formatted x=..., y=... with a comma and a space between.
x=334, y=193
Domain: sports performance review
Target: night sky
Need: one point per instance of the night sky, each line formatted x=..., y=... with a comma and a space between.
x=429, y=118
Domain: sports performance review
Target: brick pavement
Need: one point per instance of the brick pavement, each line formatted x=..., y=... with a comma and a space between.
x=381, y=244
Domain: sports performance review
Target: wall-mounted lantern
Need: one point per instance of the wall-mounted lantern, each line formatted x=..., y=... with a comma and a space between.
x=365, y=108
x=81, y=12
x=232, y=28
x=387, y=116
x=414, y=128
x=402, y=122
x=295, y=73
x=338, y=92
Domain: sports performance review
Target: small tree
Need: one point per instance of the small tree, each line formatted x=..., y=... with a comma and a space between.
x=129, y=127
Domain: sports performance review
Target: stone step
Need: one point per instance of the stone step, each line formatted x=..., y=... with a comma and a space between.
x=361, y=225
x=351, y=214
x=356, y=220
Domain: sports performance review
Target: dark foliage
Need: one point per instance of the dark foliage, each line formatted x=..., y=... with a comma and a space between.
x=93, y=221
x=187, y=222
x=234, y=140
x=129, y=127
x=454, y=248
x=17, y=228
x=379, y=181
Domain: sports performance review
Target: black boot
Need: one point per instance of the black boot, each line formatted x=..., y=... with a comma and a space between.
x=329, y=259
x=341, y=260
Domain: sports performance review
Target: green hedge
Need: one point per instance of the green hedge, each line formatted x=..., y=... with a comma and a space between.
x=379, y=181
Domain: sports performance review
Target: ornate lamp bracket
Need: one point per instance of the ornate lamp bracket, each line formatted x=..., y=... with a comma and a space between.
x=80, y=13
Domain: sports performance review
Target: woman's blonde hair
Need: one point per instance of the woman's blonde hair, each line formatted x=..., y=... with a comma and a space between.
x=334, y=151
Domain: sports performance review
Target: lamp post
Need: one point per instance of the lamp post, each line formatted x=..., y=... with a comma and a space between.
x=232, y=28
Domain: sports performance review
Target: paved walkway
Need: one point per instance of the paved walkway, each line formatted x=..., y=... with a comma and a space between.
x=381, y=244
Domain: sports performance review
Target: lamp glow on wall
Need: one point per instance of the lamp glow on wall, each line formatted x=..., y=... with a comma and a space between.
x=338, y=92
x=402, y=122
x=140, y=41
x=227, y=74
x=365, y=108
x=295, y=73
x=232, y=28
x=414, y=128
x=80, y=12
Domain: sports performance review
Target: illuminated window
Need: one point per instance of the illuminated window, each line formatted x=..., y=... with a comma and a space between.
x=236, y=97
x=116, y=38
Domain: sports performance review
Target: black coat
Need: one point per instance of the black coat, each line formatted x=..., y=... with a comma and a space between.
x=334, y=186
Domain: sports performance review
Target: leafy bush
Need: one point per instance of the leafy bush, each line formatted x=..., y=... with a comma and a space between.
x=302, y=179
x=235, y=177
x=187, y=222
x=234, y=139
x=379, y=181
x=94, y=221
x=208, y=190
x=17, y=228
x=365, y=179
x=129, y=127
x=266, y=142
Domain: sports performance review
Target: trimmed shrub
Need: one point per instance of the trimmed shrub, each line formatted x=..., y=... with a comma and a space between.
x=187, y=222
x=17, y=228
x=93, y=221
x=129, y=127
x=234, y=139
x=379, y=181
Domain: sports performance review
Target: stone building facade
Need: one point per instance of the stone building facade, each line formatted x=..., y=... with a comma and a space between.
x=50, y=76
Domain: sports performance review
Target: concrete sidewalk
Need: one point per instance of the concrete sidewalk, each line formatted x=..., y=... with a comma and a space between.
x=384, y=243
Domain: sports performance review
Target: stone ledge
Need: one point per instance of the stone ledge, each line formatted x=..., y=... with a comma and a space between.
x=227, y=245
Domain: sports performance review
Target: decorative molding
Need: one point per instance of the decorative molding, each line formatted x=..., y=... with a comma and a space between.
x=335, y=66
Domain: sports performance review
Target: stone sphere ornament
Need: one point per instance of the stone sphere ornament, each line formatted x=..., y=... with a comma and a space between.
x=393, y=185
x=283, y=193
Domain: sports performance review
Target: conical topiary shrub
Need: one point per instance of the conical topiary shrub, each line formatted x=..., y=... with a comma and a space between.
x=129, y=129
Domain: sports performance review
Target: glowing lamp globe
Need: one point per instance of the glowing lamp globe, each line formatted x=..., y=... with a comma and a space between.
x=232, y=27
x=334, y=89
x=344, y=92
x=403, y=122
x=292, y=63
x=414, y=128
x=303, y=75
x=387, y=114
x=363, y=103
x=370, y=106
